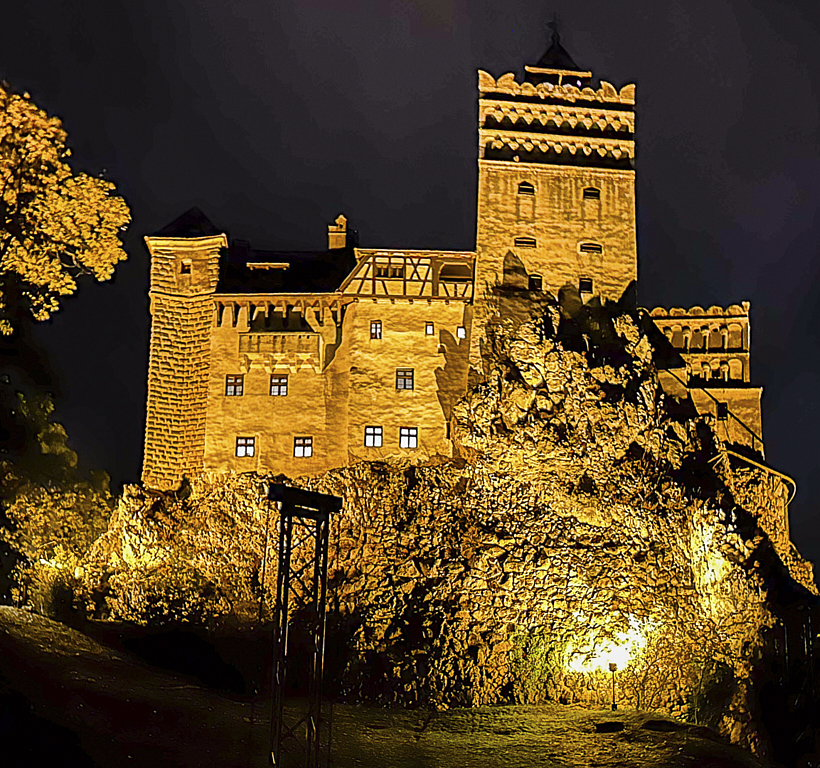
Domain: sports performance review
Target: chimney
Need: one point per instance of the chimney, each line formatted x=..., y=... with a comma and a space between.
x=337, y=233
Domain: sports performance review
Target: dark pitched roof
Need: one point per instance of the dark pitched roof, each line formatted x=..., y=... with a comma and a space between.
x=192, y=223
x=307, y=271
x=556, y=56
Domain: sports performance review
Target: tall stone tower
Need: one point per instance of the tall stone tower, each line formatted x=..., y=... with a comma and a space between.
x=556, y=182
x=184, y=276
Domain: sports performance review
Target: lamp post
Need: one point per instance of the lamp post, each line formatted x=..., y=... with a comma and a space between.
x=613, y=668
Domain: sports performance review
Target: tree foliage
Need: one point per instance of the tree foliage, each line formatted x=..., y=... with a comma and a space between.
x=50, y=514
x=55, y=224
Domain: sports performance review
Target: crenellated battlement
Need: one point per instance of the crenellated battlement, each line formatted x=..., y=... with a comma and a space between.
x=508, y=85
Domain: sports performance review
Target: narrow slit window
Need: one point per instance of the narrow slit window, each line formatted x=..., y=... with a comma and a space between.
x=585, y=285
x=245, y=446
x=591, y=248
x=303, y=447
x=234, y=386
x=525, y=242
x=375, y=329
x=279, y=386
x=429, y=329
x=592, y=193
x=408, y=437
x=373, y=437
x=404, y=378
x=525, y=188
x=722, y=411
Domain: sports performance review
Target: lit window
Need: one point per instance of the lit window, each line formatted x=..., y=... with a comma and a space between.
x=375, y=329
x=245, y=446
x=591, y=248
x=722, y=411
x=279, y=386
x=404, y=378
x=373, y=437
x=386, y=270
x=461, y=332
x=303, y=447
x=525, y=242
x=525, y=188
x=408, y=437
x=429, y=329
x=585, y=285
x=234, y=385
x=591, y=193
x=535, y=283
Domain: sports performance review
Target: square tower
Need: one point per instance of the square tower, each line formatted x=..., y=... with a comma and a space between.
x=556, y=181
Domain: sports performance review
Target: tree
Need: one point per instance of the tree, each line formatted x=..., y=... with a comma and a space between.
x=55, y=224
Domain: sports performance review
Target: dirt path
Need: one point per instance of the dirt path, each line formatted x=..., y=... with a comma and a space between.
x=112, y=709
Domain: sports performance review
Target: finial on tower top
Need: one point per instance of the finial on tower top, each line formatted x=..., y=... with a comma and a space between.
x=553, y=25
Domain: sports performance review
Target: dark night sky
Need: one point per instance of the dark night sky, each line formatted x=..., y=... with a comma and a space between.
x=275, y=116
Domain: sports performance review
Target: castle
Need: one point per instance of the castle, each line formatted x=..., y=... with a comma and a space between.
x=282, y=362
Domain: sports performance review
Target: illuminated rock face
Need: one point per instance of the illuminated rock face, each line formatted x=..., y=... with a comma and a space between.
x=586, y=520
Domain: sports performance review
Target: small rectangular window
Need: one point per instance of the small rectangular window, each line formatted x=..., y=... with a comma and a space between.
x=404, y=378
x=373, y=437
x=387, y=270
x=591, y=193
x=279, y=386
x=591, y=248
x=185, y=268
x=375, y=329
x=461, y=332
x=429, y=328
x=408, y=437
x=722, y=411
x=303, y=447
x=245, y=446
x=535, y=283
x=234, y=385
x=525, y=242
x=585, y=285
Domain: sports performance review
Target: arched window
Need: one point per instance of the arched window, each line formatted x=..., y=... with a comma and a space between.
x=591, y=193
x=525, y=242
x=525, y=188
x=591, y=248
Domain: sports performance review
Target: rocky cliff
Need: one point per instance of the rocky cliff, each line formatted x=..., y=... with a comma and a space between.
x=587, y=519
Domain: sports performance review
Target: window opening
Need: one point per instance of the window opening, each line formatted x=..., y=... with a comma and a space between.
x=535, y=283
x=375, y=329
x=585, y=285
x=722, y=411
x=279, y=386
x=461, y=332
x=456, y=273
x=591, y=193
x=429, y=328
x=404, y=378
x=525, y=188
x=185, y=268
x=525, y=242
x=408, y=437
x=234, y=385
x=303, y=447
x=245, y=446
x=373, y=437
x=591, y=248
x=386, y=270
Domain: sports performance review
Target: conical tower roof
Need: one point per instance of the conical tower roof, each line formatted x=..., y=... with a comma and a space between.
x=556, y=65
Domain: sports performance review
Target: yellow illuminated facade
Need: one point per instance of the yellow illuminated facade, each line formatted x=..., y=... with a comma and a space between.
x=296, y=363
